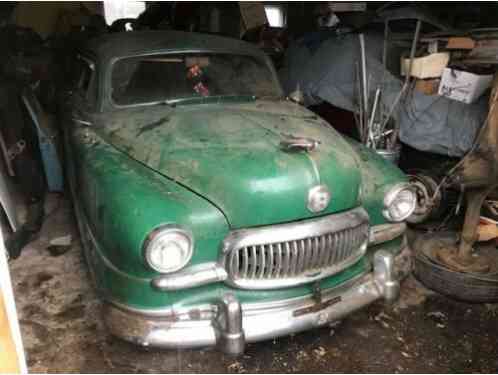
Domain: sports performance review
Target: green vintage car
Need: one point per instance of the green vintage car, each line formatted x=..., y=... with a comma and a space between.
x=212, y=210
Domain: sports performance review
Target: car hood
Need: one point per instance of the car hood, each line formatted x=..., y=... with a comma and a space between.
x=230, y=154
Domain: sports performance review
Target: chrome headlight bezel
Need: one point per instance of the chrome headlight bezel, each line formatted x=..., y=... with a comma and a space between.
x=390, y=197
x=175, y=233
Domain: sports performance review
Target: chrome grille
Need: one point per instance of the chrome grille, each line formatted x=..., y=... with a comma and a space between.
x=292, y=254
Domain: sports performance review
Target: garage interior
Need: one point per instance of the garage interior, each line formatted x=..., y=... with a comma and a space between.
x=415, y=83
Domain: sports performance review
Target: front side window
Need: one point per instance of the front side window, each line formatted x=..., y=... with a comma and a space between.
x=174, y=77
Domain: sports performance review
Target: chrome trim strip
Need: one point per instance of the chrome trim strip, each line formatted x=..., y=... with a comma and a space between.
x=212, y=272
x=275, y=283
x=191, y=277
x=385, y=232
x=106, y=261
x=314, y=166
x=8, y=203
x=164, y=313
x=87, y=234
x=258, y=307
x=236, y=324
x=295, y=230
x=269, y=236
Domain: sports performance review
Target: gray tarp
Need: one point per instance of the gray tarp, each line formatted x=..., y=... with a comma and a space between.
x=325, y=71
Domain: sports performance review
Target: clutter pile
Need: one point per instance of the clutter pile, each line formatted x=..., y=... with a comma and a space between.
x=438, y=107
x=30, y=72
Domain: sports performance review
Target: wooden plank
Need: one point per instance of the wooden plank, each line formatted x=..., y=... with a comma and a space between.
x=9, y=363
x=253, y=14
x=12, y=358
x=460, y=43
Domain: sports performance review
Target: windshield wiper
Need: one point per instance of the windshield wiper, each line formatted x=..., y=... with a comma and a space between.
x=207, y=99
x=169, y=103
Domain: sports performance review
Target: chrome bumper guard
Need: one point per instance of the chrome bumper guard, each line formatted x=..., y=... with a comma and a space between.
x=229, y=325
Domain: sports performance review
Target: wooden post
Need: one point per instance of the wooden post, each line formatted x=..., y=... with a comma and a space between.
x=12, y=359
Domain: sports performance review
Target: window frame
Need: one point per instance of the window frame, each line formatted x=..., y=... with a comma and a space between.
x=108, y=80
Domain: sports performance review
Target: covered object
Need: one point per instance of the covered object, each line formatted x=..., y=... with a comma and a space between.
x=323, y=65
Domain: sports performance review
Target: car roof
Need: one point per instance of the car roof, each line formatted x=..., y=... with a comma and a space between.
x=134, y=43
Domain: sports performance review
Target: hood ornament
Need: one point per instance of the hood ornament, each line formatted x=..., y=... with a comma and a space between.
x=293, y=144
x=318, y=198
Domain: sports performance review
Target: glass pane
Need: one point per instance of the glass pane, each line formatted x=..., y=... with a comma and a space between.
x=156, y=78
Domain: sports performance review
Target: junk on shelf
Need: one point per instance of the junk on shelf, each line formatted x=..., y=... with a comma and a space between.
x=428, y=91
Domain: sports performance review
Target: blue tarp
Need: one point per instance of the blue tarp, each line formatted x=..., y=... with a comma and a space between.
x=324, y=68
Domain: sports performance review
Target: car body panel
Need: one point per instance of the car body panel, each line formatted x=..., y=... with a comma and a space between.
x=377, y=175
x=209, y=167
x=121, y=200
x=232, y=156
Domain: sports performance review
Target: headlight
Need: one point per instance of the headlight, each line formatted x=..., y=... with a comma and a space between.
x=168, y=249
x=399, y=202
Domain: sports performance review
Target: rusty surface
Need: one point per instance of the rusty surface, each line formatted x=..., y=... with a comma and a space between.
x=62, y=327
x=477, y=173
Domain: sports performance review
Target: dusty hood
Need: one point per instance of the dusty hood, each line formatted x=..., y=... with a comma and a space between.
x=230, y=155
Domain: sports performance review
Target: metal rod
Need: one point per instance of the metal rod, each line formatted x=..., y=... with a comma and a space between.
x=412, y=51
x=360, y=101
x=405, y=85
x=372, y=116
x=384, y=64
x=364, y=75
x=384, y=47
x=367, y=109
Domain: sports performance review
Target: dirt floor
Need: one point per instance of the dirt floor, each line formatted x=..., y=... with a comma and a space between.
x=62, y=331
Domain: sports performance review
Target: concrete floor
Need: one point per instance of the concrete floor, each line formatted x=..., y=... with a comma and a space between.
x=62, y=331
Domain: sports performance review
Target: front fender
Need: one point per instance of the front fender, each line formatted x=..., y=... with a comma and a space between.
x=377, y=175
x=123, y=201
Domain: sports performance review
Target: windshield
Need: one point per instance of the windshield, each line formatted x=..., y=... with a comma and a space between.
x=158, y=78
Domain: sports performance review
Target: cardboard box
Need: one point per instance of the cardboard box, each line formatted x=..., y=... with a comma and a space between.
x=463, y=86
x=252, y=14
x=428, y=86
x=430, y=66
x=460, y=43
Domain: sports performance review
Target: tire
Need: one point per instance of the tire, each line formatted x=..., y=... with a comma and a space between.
x=458, y=285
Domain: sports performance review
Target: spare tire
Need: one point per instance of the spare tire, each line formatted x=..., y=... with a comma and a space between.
x=468, y=287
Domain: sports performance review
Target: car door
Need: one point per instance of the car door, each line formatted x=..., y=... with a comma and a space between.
x=79, y=136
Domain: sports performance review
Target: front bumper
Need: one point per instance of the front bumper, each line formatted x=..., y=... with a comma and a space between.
x=228, y=324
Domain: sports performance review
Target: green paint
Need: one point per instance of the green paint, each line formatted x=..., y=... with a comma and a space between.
x=210, y=167
x=230, y=154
